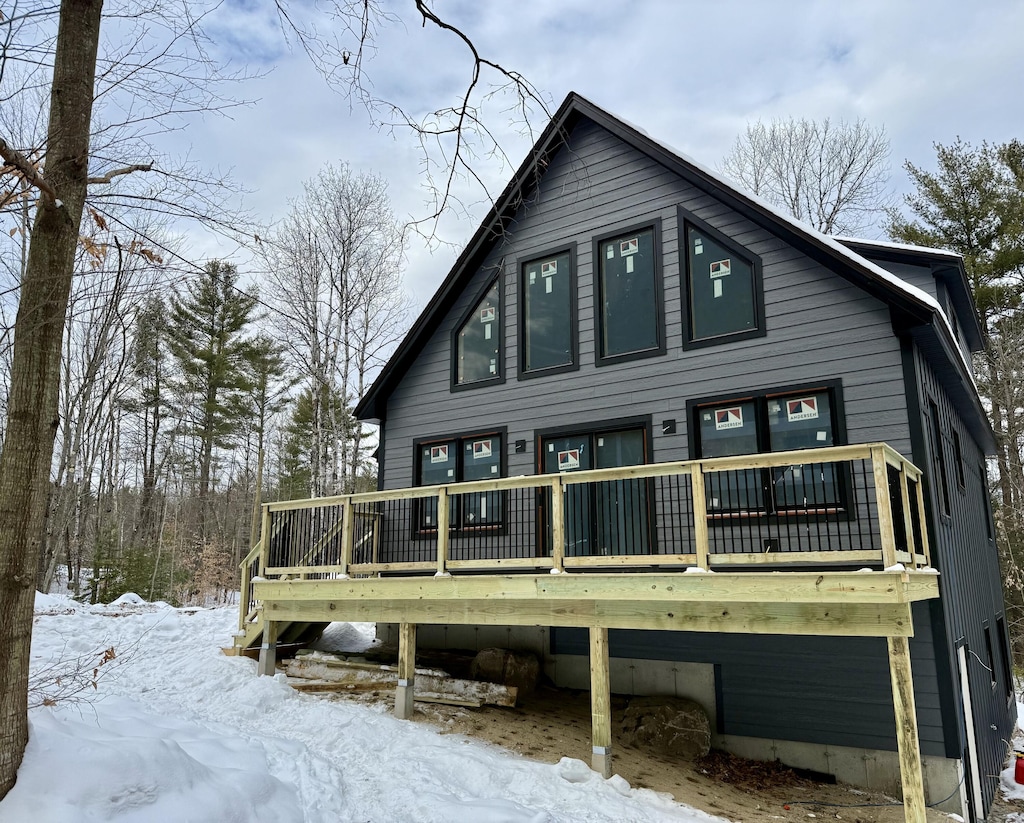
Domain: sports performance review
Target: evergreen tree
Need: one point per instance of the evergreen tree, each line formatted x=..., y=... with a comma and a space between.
x=973, y=204
x=207, y=335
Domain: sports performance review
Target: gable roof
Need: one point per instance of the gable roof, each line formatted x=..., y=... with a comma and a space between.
x=910, y=305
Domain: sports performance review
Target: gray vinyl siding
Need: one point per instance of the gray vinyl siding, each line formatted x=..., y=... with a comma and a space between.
x=970, y=581
x=834, y=691
x=819, y=326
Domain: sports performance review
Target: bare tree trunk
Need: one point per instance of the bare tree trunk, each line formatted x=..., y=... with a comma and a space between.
x=35, y=370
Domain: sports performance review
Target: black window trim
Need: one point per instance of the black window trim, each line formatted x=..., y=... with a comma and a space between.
x=759, y=397
x=455, y=385
x=521, y=263
x=684, y=219
x=459, y=439
x=659, y=292
x=940, y=469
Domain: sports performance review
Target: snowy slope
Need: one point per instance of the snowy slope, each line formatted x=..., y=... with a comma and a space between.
x=175, y=731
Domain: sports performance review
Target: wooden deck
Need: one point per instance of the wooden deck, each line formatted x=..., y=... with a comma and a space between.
x=836, y=545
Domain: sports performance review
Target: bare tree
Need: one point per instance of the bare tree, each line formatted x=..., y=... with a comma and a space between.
x=334, y=273
x=832, y=176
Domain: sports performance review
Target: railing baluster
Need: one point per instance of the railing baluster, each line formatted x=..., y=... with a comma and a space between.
x=264, y=539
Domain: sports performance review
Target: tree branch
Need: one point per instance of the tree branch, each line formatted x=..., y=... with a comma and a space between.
x=109, y=176
x=18, y=161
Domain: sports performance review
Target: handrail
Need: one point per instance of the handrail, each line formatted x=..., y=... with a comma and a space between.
x=889, y=504
x=244, y=600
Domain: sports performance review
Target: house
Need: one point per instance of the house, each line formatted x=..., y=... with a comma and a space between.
x=634, y=372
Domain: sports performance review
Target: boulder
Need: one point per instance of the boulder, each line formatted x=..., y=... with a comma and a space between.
x=668, y=725
x=519, y=669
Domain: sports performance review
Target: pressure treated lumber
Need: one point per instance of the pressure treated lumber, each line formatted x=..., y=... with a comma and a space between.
x=406, y=670
x=911, y=774
x=600, y=703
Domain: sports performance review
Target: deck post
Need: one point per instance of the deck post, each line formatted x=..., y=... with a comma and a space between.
x=600, y=702
x=886, y=526
x=557, y=524
x=268, y=651
x=348, y=530
x=911, y=774
x=406, y=670
x=442, y=532
x=908, y=521
x=700, y=515
x=264, y=540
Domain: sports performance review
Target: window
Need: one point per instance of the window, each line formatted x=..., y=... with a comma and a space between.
x=938, y=458
x=958, y=457
x=456, y=460
x=723, y=287
x=477, y=343
x=629, y=295
x=772, y=422
x=548, y=326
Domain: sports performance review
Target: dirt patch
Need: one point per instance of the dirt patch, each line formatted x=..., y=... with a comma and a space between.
x=555, y=723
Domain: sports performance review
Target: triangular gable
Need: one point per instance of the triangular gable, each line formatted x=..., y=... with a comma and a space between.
x=911, y=304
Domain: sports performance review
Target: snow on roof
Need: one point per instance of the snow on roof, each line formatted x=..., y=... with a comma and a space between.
x=908, y=247
x=831, y=242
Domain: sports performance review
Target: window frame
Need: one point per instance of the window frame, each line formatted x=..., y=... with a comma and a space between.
x=686, y=219
x=456, y=525
x=521, y=263
x=843, y=509
x=478, y=298
x=659, y=293
x=938, y=460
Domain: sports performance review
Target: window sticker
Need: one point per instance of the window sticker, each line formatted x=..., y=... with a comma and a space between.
x=481, y=448
x=533, y=276
x=717, y=289
x=487, y=331
x=804, y=408
x=731, y=418
x=493, y=368
x=547, y=285
x=569, y=459
x=548, y=268
x=629, y=265
x=487, y=315
x=628, y=247
x=439, y=454
x=698, y=245
x=822, y=436
x=610, y=252
x=721, y=268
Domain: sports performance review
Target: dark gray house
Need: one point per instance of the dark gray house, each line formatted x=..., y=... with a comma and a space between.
x=623, y=305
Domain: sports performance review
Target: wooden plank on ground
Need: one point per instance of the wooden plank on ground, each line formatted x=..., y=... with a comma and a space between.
x=382, y=677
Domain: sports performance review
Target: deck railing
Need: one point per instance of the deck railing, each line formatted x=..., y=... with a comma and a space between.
x=846, y=506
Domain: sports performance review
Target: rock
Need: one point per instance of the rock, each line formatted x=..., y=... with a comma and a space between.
x=669, y=725
x=519, y=669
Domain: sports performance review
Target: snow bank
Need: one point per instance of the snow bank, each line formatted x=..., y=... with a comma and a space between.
x=177, y=731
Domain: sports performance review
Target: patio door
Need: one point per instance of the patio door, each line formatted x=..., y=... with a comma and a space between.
x=610, y=517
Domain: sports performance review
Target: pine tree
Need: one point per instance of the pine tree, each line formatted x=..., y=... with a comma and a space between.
x=207, y=336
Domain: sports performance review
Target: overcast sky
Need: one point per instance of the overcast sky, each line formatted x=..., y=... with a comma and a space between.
x=692, y=74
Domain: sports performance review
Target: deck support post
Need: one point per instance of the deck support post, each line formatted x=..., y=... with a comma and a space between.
x=406, y=670
x=700, y=516
x=268, y=651
x=600, y=702
x=911, y=774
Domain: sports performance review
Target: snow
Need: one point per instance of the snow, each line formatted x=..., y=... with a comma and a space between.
x=175, y=730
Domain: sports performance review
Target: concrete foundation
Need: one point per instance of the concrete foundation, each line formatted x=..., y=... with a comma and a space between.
x=868, y=768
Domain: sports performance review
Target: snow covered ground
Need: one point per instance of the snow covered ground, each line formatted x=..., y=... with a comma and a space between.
x=174, y=731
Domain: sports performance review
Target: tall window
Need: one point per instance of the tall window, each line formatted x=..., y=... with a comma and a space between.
x=723, y=287
x=457, y=460
x=548, y=338
x=477, y=343
x=771, y=423
x=938, y=458
x=629, y=295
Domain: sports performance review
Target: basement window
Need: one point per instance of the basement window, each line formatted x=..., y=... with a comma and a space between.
x=461, y=459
